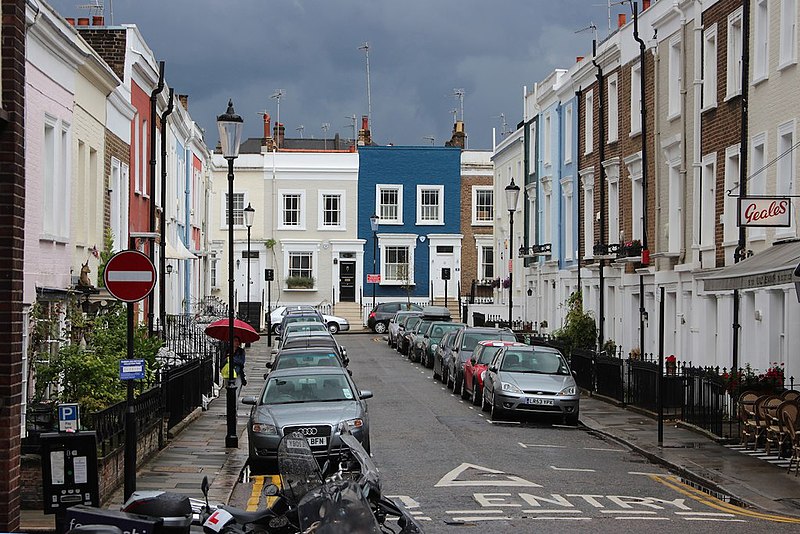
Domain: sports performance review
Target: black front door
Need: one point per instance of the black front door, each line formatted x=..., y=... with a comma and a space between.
x=347, y=281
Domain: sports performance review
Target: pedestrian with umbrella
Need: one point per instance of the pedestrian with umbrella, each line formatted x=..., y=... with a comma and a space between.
x=242, y=332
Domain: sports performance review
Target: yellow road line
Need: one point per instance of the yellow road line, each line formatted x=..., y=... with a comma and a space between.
x=255, y=494
x=704, y=498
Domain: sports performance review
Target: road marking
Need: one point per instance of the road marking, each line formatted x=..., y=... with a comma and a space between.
x=561, y=518
x=645, y=474
x=715, y=519
x=709, y=514
x=552, y=512
x=626, y=512
x=463, y=512
x=480, y=518
x=449, y=479
x=255, y=493
x=646, y=518
x=526, y=445
x=602, y=450
x=572, y=469
x=405, y=500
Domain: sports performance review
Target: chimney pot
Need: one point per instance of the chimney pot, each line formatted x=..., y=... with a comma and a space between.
x=71, y=21
x=364, y=122
x=578, y=59
x=645, y=4
x=83, y=21
x=184, y=100
x=621, y=20
x=98, y=20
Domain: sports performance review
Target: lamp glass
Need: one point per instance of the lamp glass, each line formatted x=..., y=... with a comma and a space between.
x=249, y=213
x=169, y=269
x=512, y=195
x=373, y=222
x=230, y=132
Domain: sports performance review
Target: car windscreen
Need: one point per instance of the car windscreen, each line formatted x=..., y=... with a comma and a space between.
x=412, y=322
x=470, y=340
x=438, y=331
x=307, y=359
x=403, y=319
x=487, y=354
x=308, y=341
x=300, y=328
x=307, y=388
x=529, y=361
x=301, y=318
x=422, y=326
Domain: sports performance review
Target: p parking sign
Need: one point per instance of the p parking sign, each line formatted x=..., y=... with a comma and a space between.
x=69, y=417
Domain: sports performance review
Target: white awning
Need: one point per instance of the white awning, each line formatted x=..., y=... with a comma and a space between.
x=175, y=250
x=772, y=267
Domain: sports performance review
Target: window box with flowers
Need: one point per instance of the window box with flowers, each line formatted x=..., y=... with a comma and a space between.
x=769, y=382
x=630, y=249
x=672, y=364
x=300, y=282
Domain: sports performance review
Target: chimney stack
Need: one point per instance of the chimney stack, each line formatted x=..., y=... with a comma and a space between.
x=98, y=20
x=184, y=100
x=83, y=21
x=645, y=4
x=458, y=138
x=364, y=136
x=620, y=20
x=278, y=132
x=267, y=122
x=70, y=21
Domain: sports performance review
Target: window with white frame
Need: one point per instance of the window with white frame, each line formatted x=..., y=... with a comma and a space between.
x=568, y=210
x=636, y=99
x=675, y=67
x=430, y=204
x=547, y=189
x=761, y=41
x=115, y=203
x=613, y=108
x=389, y=199
x=532, y=144
x=588, y=123
x=214, y=270
x=784, y=181
x=788, y=33
x=485, y=259
x=482, y=205
x=293, y=209
x=301, y=265
x=708, y=183
x=397, y=259
x=143, y=167
x=675, y=207
x=757, y=180
x=137, y=158
x=57, y=165
x=546, y=134
x=587, y=182
x=710, y=67
x=729, y=216
x=612, y=177
x=238, y=210
x=568, y=117
x=734, y=76
x=331, y=208
x=634, y=164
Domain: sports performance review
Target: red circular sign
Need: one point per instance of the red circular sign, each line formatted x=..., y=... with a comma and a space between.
x=129, y=276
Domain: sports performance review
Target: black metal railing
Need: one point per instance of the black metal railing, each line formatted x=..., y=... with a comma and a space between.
x=109, y=424
x=185, y=341
x=185, y=386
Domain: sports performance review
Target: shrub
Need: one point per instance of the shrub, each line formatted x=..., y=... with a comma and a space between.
x=579, y=330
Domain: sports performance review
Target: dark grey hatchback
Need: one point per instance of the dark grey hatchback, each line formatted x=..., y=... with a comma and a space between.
x=316, y=402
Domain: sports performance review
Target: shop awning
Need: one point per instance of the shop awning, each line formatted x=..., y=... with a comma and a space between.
x=772, y=267
x=175, y=250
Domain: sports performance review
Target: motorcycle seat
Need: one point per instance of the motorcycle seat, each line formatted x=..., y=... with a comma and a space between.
x=243, y=517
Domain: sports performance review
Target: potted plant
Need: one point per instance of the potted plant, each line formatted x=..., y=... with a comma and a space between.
x=300, y=282
x=672, y=364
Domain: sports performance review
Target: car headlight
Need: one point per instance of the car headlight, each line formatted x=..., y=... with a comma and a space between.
x=351, y=423
x=263, y=428
x=434, y=347
x=569, y=390
x=507, y=386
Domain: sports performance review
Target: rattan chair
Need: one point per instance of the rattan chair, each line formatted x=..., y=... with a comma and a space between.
x=790, y=394
x=747, y=416
x=777, y=433
x=794, y=441
x=763, y=418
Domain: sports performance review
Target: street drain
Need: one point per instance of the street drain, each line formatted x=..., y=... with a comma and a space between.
x=717, y=494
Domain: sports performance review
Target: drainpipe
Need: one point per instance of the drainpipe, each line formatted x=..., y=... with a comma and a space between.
x=697, y=145
x=602, y=155
x=578, y=97
x=152, y=147
x=682, y=171
x=162, y=259
x=645, y=250
x=741, y=248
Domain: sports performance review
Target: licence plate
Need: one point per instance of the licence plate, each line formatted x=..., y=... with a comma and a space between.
x=317, y=442
x=541, y=402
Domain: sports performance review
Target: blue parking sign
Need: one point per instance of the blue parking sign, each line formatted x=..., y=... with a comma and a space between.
x=131, y=369
x=69, y=417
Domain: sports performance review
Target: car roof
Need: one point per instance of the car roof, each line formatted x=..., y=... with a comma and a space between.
x=310, y=342
x=538, y=348
x=299, y=371
x=497, y=343
x=436, y=311
x=487, y=329
x=296, y=351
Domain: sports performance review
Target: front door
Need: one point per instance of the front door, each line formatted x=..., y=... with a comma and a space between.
x=443, y=257
x=347, y=281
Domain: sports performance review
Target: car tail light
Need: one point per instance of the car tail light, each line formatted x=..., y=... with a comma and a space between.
x=372, y=315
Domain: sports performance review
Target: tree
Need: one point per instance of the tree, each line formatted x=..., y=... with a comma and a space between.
x=579, y=330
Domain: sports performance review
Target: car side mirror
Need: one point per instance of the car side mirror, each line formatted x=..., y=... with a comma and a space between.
x=250, y=401
x=266, y=375
x=268, y=365
x=274, y=351
x=349, y=372
x=473, y=361
x=493, y=369
x=365, y=394
x=344, y=353
x=346, y=361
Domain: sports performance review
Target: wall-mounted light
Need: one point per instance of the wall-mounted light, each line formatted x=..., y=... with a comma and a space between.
x=238, y=262
x=530, y=292
x=169, y=268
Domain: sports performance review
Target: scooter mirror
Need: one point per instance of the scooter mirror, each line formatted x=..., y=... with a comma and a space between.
x=271, y=490
x=204, y=486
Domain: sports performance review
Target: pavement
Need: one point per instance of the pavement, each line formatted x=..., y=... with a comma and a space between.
x=749, y=478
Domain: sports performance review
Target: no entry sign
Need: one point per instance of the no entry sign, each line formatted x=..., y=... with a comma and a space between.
x=129, y=276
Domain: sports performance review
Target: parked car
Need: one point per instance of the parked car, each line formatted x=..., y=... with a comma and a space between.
x=314, y=401
x=463, y=346
x=397, y=324
x=315, y=341
x=334, y=323
x=301, y=328
x=403, y=339
x=474, y=368
x=442, y=353
x=431, y=338
x=415, y=337
x=307, y=357
x=381, y=314
x=529, y=379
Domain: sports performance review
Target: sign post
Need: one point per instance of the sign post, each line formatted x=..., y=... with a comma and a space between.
x=130, y=276
x=446, y=279
x=269, y=276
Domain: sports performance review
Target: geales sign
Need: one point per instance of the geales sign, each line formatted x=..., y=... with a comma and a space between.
x=762, y=211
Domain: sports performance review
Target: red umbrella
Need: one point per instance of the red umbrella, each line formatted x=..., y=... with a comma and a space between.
x=221, y=330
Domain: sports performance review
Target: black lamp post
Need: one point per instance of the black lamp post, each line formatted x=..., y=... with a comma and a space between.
x=230, y=134
x=249, y=213
x=512, y=194
x=373, y=222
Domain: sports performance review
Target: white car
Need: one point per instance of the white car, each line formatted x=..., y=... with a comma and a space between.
x=335, y=324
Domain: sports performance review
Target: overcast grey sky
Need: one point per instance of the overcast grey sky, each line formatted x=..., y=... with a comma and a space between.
x=420, y=51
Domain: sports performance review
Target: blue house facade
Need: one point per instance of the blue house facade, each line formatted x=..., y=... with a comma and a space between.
x=416, y=193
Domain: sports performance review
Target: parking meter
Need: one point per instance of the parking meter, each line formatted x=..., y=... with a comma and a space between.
x=69, y=470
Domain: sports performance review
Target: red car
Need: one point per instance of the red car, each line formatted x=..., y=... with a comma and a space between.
x=476, y=365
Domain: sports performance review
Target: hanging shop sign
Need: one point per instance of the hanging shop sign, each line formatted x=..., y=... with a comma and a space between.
x=762, y=211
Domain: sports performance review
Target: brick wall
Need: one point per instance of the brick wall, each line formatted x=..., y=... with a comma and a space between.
x=115, y=148
x=469, y=252
x=721, y=126
x=110, y=44
x=12, y=223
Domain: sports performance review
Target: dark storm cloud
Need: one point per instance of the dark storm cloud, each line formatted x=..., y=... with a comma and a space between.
x=420, y=50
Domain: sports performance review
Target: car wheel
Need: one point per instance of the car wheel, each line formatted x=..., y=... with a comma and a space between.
x=333, y=328
x=380, y=328
x=456, y=384
x=477, y=395
x=464, y=393
x=571, y=419
x=496, y=411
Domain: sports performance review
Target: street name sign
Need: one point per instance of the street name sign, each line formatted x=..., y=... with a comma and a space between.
x=129, y=276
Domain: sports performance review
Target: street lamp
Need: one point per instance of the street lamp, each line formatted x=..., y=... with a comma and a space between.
x=512, y=194
x=249, y=213
x=230, y=134
x=373, y=222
